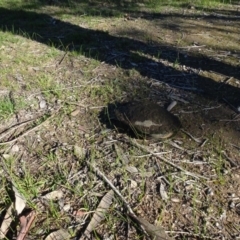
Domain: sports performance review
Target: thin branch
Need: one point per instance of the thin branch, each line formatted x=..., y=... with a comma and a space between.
x=62, y=58
x=102, y=176
x=168, y=162
x=16, y=126
x=194, y=46
x=30, y=130
x=191, y=136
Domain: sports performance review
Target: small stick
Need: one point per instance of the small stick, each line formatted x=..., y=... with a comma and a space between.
x=14, y=127
x=143, y=223
x=191, y=136
x=235, y=146
x=30, y=130
x=168, y=162
x=26, y=224
x=63, y=58
x=204, y=142
x=232, y=162
x=195, y=46
x=233, y=108
x=101, y=175
x=171, y=105
x=178, y=98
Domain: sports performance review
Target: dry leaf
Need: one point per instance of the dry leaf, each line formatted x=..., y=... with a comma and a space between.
x=8, y=218
x=6, y=156
x=132, y=169
x=157, y=232
x=163, y=193
x=66, y=207
x=100, y=212
x=54, y=195
x=19, y=205
x=20, y=201
x=60, y=234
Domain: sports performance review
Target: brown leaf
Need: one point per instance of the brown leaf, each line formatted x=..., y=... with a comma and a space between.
x=60, y=234
x=157, y=232
x=100, y=212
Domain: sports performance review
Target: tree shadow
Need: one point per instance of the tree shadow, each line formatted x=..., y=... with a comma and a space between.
x=123, y=51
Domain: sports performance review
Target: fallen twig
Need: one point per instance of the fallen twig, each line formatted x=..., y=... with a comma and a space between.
x=232, y=162
x=62, y=58
x=101, y=175
x=16, y=126
x=235, y=146
x=145, y=226
x=172, y=105
x=204, y=142
x=194, y=46
x=168, y=162
x=26, y=222
x=30, y=130
x=231, y=106
x=191, y=136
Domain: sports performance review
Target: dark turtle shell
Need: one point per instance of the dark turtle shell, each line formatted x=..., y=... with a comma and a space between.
x=147, y=119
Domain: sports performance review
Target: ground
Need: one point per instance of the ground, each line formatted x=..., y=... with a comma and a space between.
x=62, y=65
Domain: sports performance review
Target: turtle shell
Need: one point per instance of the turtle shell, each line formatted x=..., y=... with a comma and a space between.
x=147, y=119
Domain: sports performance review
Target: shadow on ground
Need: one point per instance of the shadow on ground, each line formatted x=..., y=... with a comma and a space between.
x=120, y=51
x=123, y=51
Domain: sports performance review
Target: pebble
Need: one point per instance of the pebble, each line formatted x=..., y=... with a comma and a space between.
x=15, y=149
x=66, y=207
x=43, y=104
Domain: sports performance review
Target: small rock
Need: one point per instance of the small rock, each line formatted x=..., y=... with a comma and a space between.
x=132, y=169
x=175, y=200
x=15, y=149
x=163, y=193
x=54, y=195
x=133, y=184
x=43, y=104
x=66, y=207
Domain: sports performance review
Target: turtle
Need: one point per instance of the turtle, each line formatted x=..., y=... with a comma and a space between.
x=147, y=119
